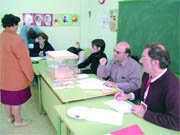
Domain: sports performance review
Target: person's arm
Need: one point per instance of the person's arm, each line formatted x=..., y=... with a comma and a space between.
x=96, y=63
x=48, y=47
x=23, y=34
x=37, y=29
x=170, y=118
x=86, y=62
x=133, y=82
x=82, y=57
x=103, y=70
x=87, y=71
x=21, y=52
x=33, y=53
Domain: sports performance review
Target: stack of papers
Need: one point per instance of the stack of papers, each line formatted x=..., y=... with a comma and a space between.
x=120, y=106
x=92, y=83
x=96, y=115
x=105, y=116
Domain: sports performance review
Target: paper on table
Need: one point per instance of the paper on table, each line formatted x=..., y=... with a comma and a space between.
x=108, y=90
x=92, y=83
x=90, y=80
x=58, y=86
x=36, y=58
x=82, y=76
x=121, y=106
x=62, y=87
x=93, y=87
x=105, y=116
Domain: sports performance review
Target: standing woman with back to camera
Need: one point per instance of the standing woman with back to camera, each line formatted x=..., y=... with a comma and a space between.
x=16, y=73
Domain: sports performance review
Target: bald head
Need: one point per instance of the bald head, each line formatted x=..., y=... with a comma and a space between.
x=122, y=51
x=123, y=44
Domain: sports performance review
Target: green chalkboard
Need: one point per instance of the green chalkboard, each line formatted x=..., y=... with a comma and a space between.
x=143, y=22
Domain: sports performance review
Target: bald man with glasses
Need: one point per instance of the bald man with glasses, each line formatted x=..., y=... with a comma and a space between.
x=123, y=71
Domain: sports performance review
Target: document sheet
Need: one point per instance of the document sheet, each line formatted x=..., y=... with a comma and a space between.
x=120, y=106
x=105, y=116
x=92, y=83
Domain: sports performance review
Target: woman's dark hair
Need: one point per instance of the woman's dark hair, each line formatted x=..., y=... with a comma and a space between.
x=10, y=20
x=159, y=52
x=99, y=43
x=44, y=36
x=74, y=50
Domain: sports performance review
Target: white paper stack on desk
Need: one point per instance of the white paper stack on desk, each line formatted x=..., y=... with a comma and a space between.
x=92, y=83
x=120, y=106
x=96, y=115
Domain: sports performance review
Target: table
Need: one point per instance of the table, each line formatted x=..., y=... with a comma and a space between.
x=36, y=68
x=74, y=94
x=48, y=97
x=84, y=127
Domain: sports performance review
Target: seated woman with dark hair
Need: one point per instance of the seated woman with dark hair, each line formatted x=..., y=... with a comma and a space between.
x=97, y=52
x=41, y=46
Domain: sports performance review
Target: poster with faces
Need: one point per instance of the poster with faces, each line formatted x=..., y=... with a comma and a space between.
x=48, y=20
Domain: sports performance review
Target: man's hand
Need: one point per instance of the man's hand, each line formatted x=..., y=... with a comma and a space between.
x=78, y=44
x=103, y=61
x=110, y=84
x=120, y=96
x=138, y=110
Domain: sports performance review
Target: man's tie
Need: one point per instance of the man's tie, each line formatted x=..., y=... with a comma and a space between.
x=147, y=89
x=148, y=83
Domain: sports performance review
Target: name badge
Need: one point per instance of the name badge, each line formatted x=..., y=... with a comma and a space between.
x=31, y=46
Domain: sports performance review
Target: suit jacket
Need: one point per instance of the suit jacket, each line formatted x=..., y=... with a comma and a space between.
x=163, y=100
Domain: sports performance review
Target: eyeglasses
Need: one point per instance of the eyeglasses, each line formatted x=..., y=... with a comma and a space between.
x=117, y=52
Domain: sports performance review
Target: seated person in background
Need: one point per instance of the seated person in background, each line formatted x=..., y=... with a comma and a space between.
x=123, y=71
x=78, y=51
x=160, y=89
x=41, y=46
x=29, y=34
x=97, y=52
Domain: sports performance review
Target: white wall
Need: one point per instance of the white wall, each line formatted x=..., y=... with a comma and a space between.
x=59, y=37
x=96, y=29
x=63, y=37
